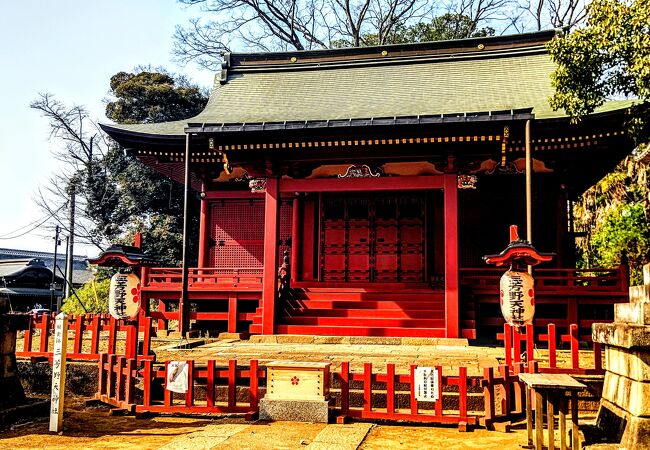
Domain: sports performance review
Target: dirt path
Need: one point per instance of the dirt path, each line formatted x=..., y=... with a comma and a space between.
x=94, y=428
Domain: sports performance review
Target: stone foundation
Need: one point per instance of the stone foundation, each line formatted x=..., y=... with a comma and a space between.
x=294, y=410
x=624, y=413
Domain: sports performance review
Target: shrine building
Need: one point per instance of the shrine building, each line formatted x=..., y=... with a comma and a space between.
x=376, y=178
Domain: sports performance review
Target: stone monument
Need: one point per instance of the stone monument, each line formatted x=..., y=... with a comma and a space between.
x=624, y=412
x=13, y=403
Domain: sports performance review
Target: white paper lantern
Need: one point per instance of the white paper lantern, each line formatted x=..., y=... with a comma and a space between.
x=124, y=296
x=517, y=297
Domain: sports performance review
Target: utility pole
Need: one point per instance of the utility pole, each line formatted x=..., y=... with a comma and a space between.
x=53, y=285
x=70, y=250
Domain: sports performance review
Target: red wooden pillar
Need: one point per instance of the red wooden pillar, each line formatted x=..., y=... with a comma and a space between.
x=204, y=234
x=296, y=241
x=271, y=237
x=451, y=254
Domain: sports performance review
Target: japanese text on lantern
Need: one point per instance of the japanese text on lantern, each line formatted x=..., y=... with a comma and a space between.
x=516, y=285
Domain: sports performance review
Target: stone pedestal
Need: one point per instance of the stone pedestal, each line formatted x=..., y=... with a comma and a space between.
x=13, y=403
x=296, y=391
x=624, y=412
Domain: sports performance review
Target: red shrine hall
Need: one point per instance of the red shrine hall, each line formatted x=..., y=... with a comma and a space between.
x=354, y=191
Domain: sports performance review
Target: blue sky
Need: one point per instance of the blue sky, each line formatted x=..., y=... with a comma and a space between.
x=69, y=48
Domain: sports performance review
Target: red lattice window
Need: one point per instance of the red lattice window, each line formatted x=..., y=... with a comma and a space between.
x=237, y=234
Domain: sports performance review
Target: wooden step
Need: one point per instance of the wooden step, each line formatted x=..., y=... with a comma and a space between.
x=364, y=322
x=357, y=331
x=364, y=313
x=367, y=304
x=376, y=296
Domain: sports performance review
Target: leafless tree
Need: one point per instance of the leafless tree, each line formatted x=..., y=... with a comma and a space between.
x=79, y=145
x=290, y=24
x=541, y=14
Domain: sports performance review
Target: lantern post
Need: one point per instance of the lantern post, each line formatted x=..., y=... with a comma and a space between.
x=517, y=286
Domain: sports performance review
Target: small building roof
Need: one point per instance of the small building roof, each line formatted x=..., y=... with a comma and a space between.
x=477, y=76
x=81, y=271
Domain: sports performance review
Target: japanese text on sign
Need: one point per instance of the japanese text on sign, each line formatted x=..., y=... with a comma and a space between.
x=426, y=384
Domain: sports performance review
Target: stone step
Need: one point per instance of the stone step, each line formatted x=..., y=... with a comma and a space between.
x=639, y=294
x=634, y=313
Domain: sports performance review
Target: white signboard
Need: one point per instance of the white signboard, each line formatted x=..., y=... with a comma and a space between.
x=426, y=384
x=517, y=297
x=177, y=376
x=58, y=372
x=124, y=296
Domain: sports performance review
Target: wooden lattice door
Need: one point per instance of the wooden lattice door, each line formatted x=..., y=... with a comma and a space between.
x=237, y=234
x=373, y=238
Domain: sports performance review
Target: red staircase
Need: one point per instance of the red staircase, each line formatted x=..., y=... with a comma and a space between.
x=378, y=310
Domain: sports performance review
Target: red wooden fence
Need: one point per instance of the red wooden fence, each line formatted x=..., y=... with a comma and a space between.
x=514, y=339
x=92, y=325
x=118, y=377
x=390, y=411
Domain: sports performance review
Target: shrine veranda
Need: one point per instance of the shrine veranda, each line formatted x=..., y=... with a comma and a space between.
x=376, y=178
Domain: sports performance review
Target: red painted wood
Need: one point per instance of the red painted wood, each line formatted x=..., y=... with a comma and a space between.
x=390, y=388
x=147, y=377
x=204, y=236
x=451, y=254
x=488, y=393
x=130, y=381
x=413, y=402
x=45, y=332
x=189, y=395
x=119, y=388
x=218, y=195
x=308, y=235
x=232, y=313
x=209, y=388
x=438, y=404
x=360, y=331
x=78, y=333
x=409, y=183
x=94, y=337
x=507, y=333
x=101, y=378
x=254, y=384
x=598, y=356
x=27, y=340
x=112, y=335
x=168, y=395
x=110, y=378
x=296, y=239
x=367, y=386
x=516, y=344
x=462, y=391
x=345, y=387
x=575, y=346
x=232, y=383
x=530, y=343
x=552, y=343
x=271, y=235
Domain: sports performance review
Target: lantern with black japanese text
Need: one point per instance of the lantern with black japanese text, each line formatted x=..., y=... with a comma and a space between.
x=517, y=286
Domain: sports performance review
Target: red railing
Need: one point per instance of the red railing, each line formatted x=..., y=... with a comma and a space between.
x=514, y=340
x=85, y=330
x=591, y=280
x=390, y=411
x=118, y=377
x=204, y=277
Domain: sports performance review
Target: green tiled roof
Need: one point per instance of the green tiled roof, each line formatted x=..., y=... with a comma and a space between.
x=443, y=83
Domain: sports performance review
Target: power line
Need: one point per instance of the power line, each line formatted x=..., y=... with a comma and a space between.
x=31, y=229
x=23, y=227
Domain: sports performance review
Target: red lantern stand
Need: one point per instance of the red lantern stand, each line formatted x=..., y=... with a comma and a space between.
x=517, y=286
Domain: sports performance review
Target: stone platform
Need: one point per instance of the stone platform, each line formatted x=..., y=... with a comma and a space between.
x=624, y=413
x=449, y=353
